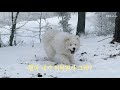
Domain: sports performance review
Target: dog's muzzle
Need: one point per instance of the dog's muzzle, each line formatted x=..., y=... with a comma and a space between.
x=72, y=51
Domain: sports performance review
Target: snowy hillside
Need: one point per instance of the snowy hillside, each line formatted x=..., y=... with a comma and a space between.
x=27, y=61
x=95, y=58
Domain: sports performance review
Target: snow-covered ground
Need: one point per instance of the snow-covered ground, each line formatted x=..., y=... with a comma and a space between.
x=93, y=60
x=102, y=59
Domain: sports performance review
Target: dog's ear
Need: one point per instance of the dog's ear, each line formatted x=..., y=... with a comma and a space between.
x=78, y=38
x=67, y=39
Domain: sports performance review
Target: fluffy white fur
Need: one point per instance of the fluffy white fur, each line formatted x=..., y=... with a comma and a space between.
x=62, y=44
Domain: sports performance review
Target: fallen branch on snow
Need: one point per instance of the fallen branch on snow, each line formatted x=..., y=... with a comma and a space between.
x=112, y=56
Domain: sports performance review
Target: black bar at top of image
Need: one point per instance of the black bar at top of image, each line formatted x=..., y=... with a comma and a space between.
x=59, y=5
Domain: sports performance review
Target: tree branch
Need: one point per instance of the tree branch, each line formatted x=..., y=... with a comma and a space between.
x=28, y=36
x=22, y=25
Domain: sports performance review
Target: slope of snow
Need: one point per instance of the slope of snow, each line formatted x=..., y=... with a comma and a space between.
x=14, y=61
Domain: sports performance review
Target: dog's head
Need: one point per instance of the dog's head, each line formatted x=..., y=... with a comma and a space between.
x=72, y=44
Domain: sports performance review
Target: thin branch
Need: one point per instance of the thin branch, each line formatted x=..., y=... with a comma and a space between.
x=5, y=28
x=28, y=36
x=31, y=30
x=4, y=34
x=38, y=22
x=22, y=25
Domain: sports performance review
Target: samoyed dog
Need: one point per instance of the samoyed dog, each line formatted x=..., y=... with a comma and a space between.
x=61, y=45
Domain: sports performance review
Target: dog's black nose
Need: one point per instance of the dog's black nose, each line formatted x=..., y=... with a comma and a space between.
x=74, y=49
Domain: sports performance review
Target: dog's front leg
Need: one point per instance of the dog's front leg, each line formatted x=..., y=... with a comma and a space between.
x=64, y=59
x=71, y=58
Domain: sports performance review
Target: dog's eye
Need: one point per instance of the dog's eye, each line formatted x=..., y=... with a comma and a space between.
x=70, y=44
x=75, y=44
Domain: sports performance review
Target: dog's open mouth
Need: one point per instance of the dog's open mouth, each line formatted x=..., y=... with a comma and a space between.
x=72, y=52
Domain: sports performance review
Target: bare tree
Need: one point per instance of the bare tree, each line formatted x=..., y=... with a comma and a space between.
x=13, y=27
x=40, y=18
x=81, y=23
x=116, y=37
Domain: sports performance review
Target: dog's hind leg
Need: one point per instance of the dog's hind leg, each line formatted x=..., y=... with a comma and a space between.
x=50, y=52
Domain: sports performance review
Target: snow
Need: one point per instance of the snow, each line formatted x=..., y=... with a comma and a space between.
x=15, y=60
x=25, y=61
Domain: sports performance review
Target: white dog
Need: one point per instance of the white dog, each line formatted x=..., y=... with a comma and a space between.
x=62, y=44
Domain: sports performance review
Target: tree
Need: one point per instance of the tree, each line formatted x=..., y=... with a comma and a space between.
x=116, y=37
x=9, y=19
x=81, y=23
x=64, y=22
x=13, y=27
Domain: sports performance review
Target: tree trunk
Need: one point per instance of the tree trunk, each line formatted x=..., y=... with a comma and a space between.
x=0, y=41
x=116, y=37
x=14, y=20
x=81, y=23
x=40, y=27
